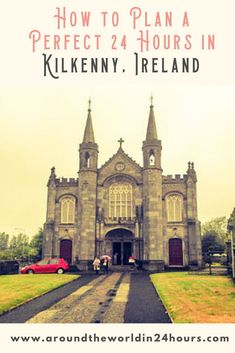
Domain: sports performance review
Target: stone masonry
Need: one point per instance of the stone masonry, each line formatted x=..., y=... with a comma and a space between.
x=122, y=209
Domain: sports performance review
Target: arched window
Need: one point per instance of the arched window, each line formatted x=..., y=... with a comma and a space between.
x=87, y=160
x=68, y=209
x=151, y=158
x=174, y=207
x=120, y=200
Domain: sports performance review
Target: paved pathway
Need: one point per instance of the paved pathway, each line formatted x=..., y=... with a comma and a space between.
x=115, y=298
x=26, y=311
x=144, y=304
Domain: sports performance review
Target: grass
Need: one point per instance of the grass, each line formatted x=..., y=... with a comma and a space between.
x=195, y=298
x=17, y=289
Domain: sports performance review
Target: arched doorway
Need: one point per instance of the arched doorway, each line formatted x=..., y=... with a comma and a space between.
x=122, y=245
x=175, y=252
x=66, y=250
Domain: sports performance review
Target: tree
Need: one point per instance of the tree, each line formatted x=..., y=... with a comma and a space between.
x=19, y=246
x=211, y=242
x=217, y=225
x=4, y=239
x=4, y=245
x=36, y=243
x=214, y=235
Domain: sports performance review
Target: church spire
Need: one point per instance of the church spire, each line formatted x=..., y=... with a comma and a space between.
x=151, y=130
x=89, y=133
x=152, y=146
x=88, y=149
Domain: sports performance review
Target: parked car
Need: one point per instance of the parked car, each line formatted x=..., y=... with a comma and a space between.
x=9, y=267
x=49, y=265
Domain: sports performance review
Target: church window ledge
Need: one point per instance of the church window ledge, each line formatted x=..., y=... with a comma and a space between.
x=191, y=221
x=124, y=220
x=175, y=223
x=67, y=224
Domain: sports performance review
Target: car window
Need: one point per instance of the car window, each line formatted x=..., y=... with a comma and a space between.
x=54, y=261
x=43, y=262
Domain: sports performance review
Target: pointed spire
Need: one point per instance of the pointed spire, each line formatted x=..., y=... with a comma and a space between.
x=191, y=171
x=89, y=133
x=52, y=178
x=151, y=130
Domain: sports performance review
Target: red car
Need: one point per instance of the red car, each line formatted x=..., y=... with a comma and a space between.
x=50, y=265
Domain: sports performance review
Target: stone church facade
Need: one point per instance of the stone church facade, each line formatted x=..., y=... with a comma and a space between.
x=122, y=209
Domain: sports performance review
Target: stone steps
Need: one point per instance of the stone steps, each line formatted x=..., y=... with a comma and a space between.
x=122, y=268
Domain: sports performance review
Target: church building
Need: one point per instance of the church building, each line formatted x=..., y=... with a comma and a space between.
x=122, y=209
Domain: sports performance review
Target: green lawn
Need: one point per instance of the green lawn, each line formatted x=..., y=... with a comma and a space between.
x=196, y=298
x=17, y=289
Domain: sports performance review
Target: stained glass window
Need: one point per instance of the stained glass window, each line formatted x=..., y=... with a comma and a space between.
x=174, y=205
x=68, y=210
x=120, y=200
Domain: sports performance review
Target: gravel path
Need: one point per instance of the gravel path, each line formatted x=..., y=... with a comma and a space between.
x=84, y=305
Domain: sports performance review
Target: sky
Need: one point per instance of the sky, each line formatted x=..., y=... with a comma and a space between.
x=42, y=127
x=42, y=120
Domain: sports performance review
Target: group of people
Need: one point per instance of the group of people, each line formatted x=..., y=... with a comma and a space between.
x=104, y=262
x=101, y=264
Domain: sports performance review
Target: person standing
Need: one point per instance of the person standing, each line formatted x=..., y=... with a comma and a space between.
x=96, y=265
x=131, y=262
x=106, y=265
x=115, y=258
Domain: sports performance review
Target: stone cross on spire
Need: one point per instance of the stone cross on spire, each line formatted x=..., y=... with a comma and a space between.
x=121, y=142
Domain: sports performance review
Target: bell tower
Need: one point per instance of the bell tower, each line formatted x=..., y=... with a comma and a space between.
x=88, y=150
x=152, y=195
x=88, y=153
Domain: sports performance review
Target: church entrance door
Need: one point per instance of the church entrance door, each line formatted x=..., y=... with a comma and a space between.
x=121, y=253
x=66, y=250
x=127, y=252
x=175, y=252
x=121, y=244
x=117, y=253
